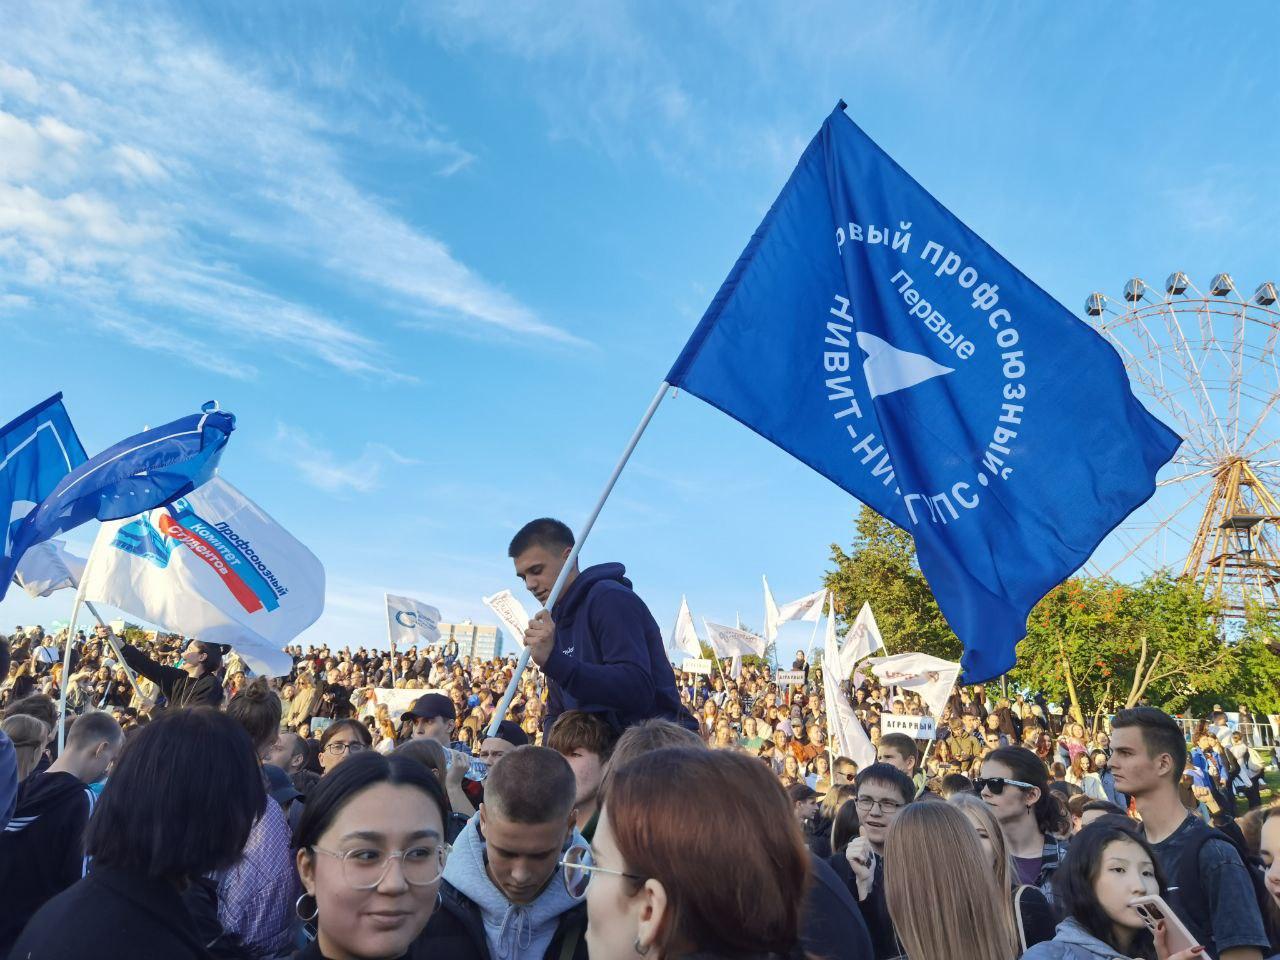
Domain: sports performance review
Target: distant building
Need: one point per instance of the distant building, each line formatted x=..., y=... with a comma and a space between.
x=474, y=640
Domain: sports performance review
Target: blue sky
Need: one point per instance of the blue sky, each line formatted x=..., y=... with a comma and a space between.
x=437, y=258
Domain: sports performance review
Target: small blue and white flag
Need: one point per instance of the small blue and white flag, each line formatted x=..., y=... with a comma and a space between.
x=137, y=474
x=37, y=449
x=875, y=337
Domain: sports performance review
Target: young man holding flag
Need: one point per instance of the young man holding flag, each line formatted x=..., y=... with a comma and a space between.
x=599, y=645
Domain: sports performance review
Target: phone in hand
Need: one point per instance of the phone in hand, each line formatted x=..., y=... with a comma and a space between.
x=1153, y=910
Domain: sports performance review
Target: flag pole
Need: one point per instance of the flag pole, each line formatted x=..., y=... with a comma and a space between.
x=504, y=705
x=111, y=639
x=66, y=664
x=391, y=644
x=808, y=653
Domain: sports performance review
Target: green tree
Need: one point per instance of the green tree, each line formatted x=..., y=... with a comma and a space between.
x=880, y=568
x=1099, y=646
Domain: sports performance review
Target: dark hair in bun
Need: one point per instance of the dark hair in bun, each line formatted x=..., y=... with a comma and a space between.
x=257, y=709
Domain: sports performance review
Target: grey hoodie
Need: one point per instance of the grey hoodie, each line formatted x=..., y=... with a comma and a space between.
x=513, y=931
x=1072, y=942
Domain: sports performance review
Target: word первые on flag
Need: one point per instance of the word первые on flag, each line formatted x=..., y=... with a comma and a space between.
x=137, y=474
x=37, y=450
x=215, y=566
x=870, y=333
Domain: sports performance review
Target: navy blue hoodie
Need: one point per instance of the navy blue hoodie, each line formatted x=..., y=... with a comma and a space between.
x=608, y=656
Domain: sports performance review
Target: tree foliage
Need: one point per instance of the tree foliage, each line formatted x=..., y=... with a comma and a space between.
x=1093, y=644
x=881, y=568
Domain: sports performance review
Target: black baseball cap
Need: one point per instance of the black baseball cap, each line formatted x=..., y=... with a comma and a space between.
x=279, y=786
x=429, y=706
x=510, y=731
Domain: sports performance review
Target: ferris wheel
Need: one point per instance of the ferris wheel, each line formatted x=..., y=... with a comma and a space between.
x=1208, y=364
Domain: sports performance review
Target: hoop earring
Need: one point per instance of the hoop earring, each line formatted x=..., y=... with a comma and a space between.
x=645, y=951
x=315, y=911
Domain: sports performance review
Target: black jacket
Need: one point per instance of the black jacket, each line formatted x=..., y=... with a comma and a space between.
x=608, y=656
x=179, y=689
x=112, y=915
x=831, y=926
x=875, y=909
x=42, y=849
x=456, y=931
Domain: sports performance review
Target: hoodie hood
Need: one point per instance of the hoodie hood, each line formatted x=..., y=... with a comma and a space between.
x=1085, y=943
x=43, y=792
x=513, y=931
x=581, y=586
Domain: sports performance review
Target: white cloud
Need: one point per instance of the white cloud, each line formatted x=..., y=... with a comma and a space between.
x=134, y=164
x=328, y=471
x=144, y=174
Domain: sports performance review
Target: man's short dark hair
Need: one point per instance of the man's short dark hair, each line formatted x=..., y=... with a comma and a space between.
x=580, y=730
x=531, y=785
x=903, y=744
x=545, y=532
x=184, y=795
x=889, y=776
x=800, y=792
x=94, y=727
x=1160, y=734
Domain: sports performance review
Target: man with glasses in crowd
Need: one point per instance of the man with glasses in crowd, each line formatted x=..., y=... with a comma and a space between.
x=503, y=894
x=882, y=791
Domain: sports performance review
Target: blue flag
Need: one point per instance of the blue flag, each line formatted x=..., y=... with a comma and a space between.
x=138, y=474
x=875, y=337
x=37, y=449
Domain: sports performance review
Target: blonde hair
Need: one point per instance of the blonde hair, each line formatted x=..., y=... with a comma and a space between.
x=30, y=735
x=973, y=808
x=957, y=893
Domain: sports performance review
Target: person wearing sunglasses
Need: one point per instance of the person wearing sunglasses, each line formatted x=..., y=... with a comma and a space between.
x=1014, y=783
x=343, y=739
x=371, y=853
x=668, y=874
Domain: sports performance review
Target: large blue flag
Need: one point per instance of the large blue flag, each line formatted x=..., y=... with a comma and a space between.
x=137, y=474
x=37, y=449
x=872, y=335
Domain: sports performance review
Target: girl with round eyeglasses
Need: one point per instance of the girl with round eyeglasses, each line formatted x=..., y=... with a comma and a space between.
x=371, y=855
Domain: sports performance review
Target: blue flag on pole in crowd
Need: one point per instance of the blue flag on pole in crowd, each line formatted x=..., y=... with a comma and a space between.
x=137, y=474
x=37, y=449
x=872, y=335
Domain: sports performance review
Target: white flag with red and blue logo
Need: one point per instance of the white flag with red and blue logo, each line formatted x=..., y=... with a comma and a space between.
x=215, y=566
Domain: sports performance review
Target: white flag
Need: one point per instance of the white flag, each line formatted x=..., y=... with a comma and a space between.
x=729, y=641
x=735, y=667
x=862, y=640
x=847, y=736
x=214, y=566
x=685, y=635
x=47, y=567
x=931, y=677
x=770, y=613
x=410, y=622
x=809, y=609
x=510, y=612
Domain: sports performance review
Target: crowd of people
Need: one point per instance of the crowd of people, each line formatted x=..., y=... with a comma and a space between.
x=360, y=807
